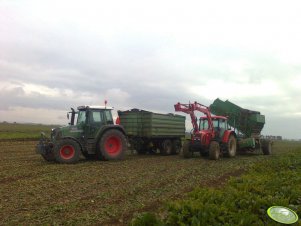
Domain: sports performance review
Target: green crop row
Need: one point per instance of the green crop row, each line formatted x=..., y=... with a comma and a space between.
x=242, y=201
x=23, y=131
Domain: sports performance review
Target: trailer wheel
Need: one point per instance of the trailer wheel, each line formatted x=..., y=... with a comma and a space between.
x=67, y=151
x=49, y=156
x=231, y=147
x=267, y=148
x=113, y=145
x=166, y=148
x=187, y=153
x=176, y=146
x=214, y=150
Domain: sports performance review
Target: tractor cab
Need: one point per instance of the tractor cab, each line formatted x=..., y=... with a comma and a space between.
x=91, y=115
x=220, y=125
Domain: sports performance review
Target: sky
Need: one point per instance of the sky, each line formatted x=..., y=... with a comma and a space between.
x=150, y=55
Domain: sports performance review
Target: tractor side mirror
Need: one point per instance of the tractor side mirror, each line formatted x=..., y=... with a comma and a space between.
x=68, y=116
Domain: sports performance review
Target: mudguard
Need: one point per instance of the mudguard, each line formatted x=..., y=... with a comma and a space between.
x=227, y=134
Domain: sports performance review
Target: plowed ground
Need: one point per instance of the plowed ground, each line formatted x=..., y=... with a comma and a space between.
x=37, y=192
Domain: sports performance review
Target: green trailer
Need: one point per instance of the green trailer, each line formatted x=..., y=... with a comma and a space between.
x=148, y=131
x=246, y=123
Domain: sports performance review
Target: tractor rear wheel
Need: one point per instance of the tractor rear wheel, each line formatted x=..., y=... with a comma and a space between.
x=166, y=147
x=187, y=153
x=214, y=150
x=231, y=146
x=112, y=145
x=67, y=151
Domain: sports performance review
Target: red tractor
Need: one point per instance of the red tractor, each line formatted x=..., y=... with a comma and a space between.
x=211, y=136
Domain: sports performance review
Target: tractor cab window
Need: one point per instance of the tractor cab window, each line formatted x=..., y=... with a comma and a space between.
x=215, y=123
x=109, y=118
x=222, y=124
x=96, y=117
x=81, y=117
x=203, y=124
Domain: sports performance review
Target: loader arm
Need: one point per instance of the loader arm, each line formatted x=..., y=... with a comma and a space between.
x=190, y=109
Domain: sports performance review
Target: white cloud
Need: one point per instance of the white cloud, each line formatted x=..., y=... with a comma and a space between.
x=57, y=54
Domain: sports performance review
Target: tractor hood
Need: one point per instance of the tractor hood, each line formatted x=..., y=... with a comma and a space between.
x=66, y=131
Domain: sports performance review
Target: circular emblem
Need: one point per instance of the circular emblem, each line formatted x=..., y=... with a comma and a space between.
x=282, y=214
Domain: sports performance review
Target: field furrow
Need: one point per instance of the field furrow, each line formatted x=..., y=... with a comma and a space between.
x=34, y=191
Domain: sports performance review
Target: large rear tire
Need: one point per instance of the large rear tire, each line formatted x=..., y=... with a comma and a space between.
x=231, y=146
x=186, y=150
x=67, y=151
x=112, y=145
x=214, y=150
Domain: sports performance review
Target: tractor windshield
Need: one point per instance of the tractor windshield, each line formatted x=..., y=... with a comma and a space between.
x=219, y=123
x=203, y=124
x=215, y=123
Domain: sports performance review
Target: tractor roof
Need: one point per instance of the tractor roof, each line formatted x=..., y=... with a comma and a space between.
x=94, y=107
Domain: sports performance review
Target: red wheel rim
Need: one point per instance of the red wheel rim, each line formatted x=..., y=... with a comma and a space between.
x=67, y=152
x=113, y=145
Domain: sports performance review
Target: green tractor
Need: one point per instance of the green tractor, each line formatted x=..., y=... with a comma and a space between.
x=91, y=132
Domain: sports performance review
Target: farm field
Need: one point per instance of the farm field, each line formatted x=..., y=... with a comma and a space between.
x=35, y=192
x=23, y=131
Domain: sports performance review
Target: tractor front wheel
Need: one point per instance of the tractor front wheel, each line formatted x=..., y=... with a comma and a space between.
x=231, y=146
x=67, y=151
x=112, y=145
x=186, y=150
x=214, y=150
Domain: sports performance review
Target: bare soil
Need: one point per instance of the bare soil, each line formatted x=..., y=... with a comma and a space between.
x=37, y=192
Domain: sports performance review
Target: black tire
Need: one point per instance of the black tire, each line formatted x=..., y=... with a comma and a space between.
x=67, y=151
x=176, y=147
x=267, y=148
x=186, y=152
x=231, y=147
x=166, y=147
x=112, y=145
x=49, y=156
x=214, y=150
